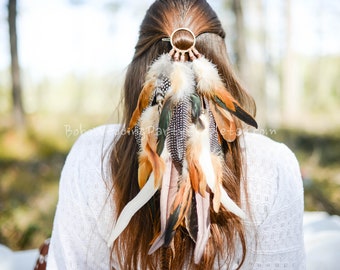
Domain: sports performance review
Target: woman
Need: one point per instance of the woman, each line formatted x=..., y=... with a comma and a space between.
x=181, y=186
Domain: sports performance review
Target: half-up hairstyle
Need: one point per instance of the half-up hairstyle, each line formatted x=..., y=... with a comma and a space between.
x=131, y=248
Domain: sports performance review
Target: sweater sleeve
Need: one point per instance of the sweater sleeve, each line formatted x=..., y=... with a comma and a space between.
x=276, y=199
x=83, y=217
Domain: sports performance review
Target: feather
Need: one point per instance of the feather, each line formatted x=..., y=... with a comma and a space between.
x=177, y=131
x=225, y=123
x=193, y=150
x=148, y=129
x=191, y=220
x=207, y=76
x=143, y=196
x=203, y=212
x=143, y=101
x=179, y=207
x=211, y=86
x=235, y=109
x=244, y=116
x=157, y=164
x=196, y=108
x=214, y=137
x=207, y=166
x=218, y=168
x=230, y=205
x=168, y=193
x=182, y=81
x=163, y=86
x=181, y=204
x=164, y=121
x=160, y=68
x=144, y=169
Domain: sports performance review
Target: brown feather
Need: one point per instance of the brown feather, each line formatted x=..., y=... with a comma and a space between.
x=183, y=199
x=224, y=121
x=179, y=209
x=142, y=103
x=144, y=170
x=226, y=98
x=157, y=163
x=196, y=175
x=226, y=101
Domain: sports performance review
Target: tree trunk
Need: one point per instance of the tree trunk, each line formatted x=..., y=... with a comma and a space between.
x=239, y=41
x=290, y=91
x=18, y=110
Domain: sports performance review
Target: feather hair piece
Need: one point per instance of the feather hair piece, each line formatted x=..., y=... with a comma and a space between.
x=184, y=113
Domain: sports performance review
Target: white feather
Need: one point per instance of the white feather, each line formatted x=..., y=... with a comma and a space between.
x=208, y=170
x=207, y=75
x=230, y=205
x=148, y=124
x=163, y=65
x=143, y=196
x=203, y=214
x=182, y=80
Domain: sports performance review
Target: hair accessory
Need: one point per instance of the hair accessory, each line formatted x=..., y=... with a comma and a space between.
x=179, y=54
x=183, y=116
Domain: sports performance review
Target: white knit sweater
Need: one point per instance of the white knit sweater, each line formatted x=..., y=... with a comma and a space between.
x=83, y=219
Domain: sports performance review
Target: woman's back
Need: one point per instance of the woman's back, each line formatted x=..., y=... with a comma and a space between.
x=85, y=213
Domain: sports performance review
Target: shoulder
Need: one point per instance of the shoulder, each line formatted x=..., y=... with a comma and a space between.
x=265, y=151
x=92, y=145
x=85, y=178
x=84, y=211
x=273, y=175
x=258, y=142
x=89, y=153
x=275, y=197
x=98, y=137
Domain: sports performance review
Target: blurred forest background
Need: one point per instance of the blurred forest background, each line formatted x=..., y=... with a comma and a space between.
x=61, y=67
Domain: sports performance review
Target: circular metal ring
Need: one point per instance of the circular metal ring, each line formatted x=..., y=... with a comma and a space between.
x=181, y=29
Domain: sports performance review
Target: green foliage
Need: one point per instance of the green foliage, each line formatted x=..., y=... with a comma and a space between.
x=319, y=157
x=30, y=165
x=321, y=84
x=28, y=187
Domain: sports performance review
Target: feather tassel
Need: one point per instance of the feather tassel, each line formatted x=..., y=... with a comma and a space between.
x=202, y=204
x=211, y=177
x=148, y=156
x=210, y=85
x=143, y=196
x=180, y=148
x=179, y=208
x=193, y=150
x=162, y=67
x=168, y=194
x=224, y=121
x=164, y=121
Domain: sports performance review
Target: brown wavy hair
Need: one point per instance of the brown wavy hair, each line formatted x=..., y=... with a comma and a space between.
x=131, y=247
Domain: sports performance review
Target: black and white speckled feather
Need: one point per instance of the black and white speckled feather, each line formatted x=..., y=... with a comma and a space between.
x=178, y=127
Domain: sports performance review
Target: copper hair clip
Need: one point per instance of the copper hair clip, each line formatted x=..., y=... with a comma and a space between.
x=178, y=54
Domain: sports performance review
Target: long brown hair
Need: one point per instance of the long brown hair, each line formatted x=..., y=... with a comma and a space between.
x=131, y=247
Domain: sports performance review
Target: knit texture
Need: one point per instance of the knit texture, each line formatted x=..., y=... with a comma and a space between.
x=85, y=212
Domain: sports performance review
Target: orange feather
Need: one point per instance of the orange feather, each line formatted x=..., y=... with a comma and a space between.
x=226, y=98
x=183, y=199
x=144, y=170
x=224, y=121
x=196, y=175
x=157, y=163
x=142, y=103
